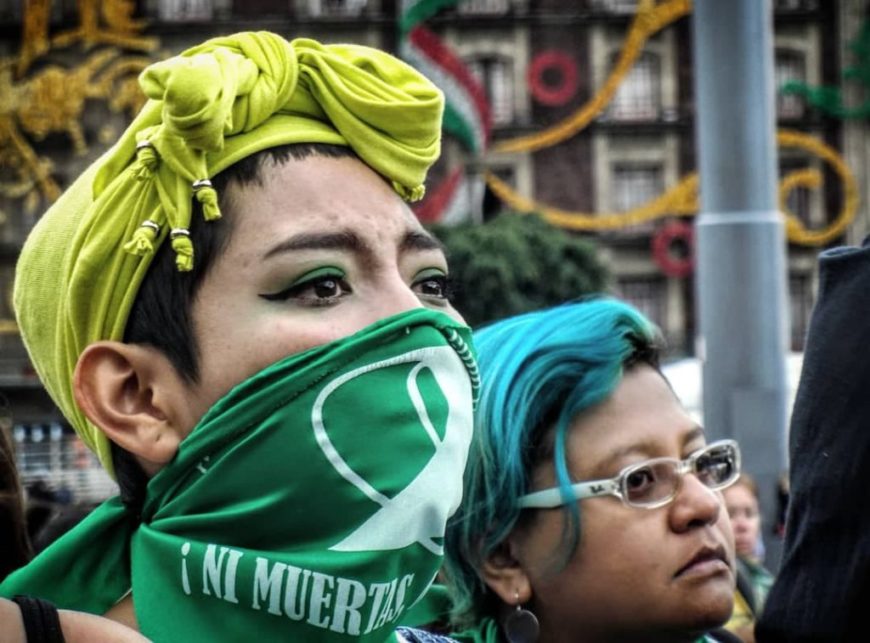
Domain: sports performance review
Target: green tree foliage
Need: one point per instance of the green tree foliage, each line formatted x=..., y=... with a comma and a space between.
x=517, y=263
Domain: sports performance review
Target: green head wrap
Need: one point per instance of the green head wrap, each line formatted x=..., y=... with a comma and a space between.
x=81, y=268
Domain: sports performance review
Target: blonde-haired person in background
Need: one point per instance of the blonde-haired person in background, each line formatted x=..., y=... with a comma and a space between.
x=753, y=579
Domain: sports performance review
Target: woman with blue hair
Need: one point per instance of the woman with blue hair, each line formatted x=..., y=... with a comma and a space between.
x=579, y=521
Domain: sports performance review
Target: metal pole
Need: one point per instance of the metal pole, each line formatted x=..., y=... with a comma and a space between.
x=741, y=264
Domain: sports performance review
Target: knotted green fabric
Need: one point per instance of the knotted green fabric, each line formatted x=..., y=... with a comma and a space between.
x=81, y=268
x=309, y=504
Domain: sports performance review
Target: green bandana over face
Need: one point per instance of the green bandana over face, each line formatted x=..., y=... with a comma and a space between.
x=309, y=504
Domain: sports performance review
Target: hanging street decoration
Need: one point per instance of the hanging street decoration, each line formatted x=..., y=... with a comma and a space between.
x=466, y=113
x=448, y=202
x=830, y=99
x=673, y=248
x=546, y=92
x=681, y=199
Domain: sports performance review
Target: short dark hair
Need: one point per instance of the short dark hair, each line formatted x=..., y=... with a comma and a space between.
x=161, y=315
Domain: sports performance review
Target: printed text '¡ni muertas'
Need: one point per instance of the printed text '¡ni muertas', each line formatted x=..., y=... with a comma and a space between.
x=342, y=605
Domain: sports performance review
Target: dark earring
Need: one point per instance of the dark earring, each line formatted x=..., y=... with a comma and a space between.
x=521, y=626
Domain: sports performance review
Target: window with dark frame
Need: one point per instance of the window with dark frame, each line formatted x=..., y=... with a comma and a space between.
x=633, y=184
x=639, y=95
x=495, y=75
x=790, y=66
x=483, y=7
x=185, y=10
x=798, y=199
x=336, y=8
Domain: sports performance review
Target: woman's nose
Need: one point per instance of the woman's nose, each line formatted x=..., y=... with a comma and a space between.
x=695, y=505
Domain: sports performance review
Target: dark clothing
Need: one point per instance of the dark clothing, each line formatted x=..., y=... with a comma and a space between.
x=421, y=636
x=822, y=590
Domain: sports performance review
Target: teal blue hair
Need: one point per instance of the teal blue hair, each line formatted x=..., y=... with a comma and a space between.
x=539, y=370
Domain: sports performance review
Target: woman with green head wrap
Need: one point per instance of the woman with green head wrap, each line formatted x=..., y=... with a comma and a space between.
x=239, y=314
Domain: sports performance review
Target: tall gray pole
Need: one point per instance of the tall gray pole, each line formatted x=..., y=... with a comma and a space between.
x=741, y=291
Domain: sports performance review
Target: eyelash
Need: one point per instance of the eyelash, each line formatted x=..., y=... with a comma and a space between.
x=445, y=283
x=297, y=290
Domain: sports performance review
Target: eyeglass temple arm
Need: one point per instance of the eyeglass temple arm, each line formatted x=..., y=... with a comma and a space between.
x=549, y=498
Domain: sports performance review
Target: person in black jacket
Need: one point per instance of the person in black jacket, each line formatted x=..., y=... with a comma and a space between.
x=822, y=591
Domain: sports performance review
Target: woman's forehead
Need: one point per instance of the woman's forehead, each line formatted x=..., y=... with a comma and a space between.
x=320, y=195
x=641, y=418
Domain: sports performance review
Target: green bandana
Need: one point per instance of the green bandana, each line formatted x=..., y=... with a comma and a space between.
x=309, y=503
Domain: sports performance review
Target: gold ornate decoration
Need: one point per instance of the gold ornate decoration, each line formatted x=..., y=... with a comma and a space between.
x=682, y=199
x=51, y=100
x=118, y=29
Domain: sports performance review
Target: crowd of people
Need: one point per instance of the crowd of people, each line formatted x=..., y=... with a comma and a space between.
x=237, y=311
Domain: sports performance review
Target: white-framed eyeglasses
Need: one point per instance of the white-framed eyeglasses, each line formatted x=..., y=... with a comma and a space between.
x=652, y=483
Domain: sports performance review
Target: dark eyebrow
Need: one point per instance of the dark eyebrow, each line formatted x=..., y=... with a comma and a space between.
x=420, y=240
x=343, y=240
x=347, y=240
x=696, y=432
x=645, y=446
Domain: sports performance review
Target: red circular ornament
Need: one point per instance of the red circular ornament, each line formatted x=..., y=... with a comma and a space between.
x=663, y=242
x=546, y=93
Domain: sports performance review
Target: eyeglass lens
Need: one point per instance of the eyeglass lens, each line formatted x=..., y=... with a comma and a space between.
x=716, y=467
x=658, y=480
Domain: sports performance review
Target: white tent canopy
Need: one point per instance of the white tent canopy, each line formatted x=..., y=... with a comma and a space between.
x=685, y=377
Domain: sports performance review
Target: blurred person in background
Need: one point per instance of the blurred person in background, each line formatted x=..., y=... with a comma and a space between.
x=15, y=548
x=753, y=579
x=15, y=551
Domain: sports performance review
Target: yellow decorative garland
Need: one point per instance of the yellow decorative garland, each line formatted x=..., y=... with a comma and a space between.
x=682, y=199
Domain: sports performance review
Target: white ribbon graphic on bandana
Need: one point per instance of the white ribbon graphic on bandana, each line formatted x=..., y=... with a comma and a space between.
x=419, y=512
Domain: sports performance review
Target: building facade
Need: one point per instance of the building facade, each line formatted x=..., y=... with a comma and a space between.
x=643, y=142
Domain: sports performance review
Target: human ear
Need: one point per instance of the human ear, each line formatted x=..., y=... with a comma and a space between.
x=136, y=397
x=504, y=574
